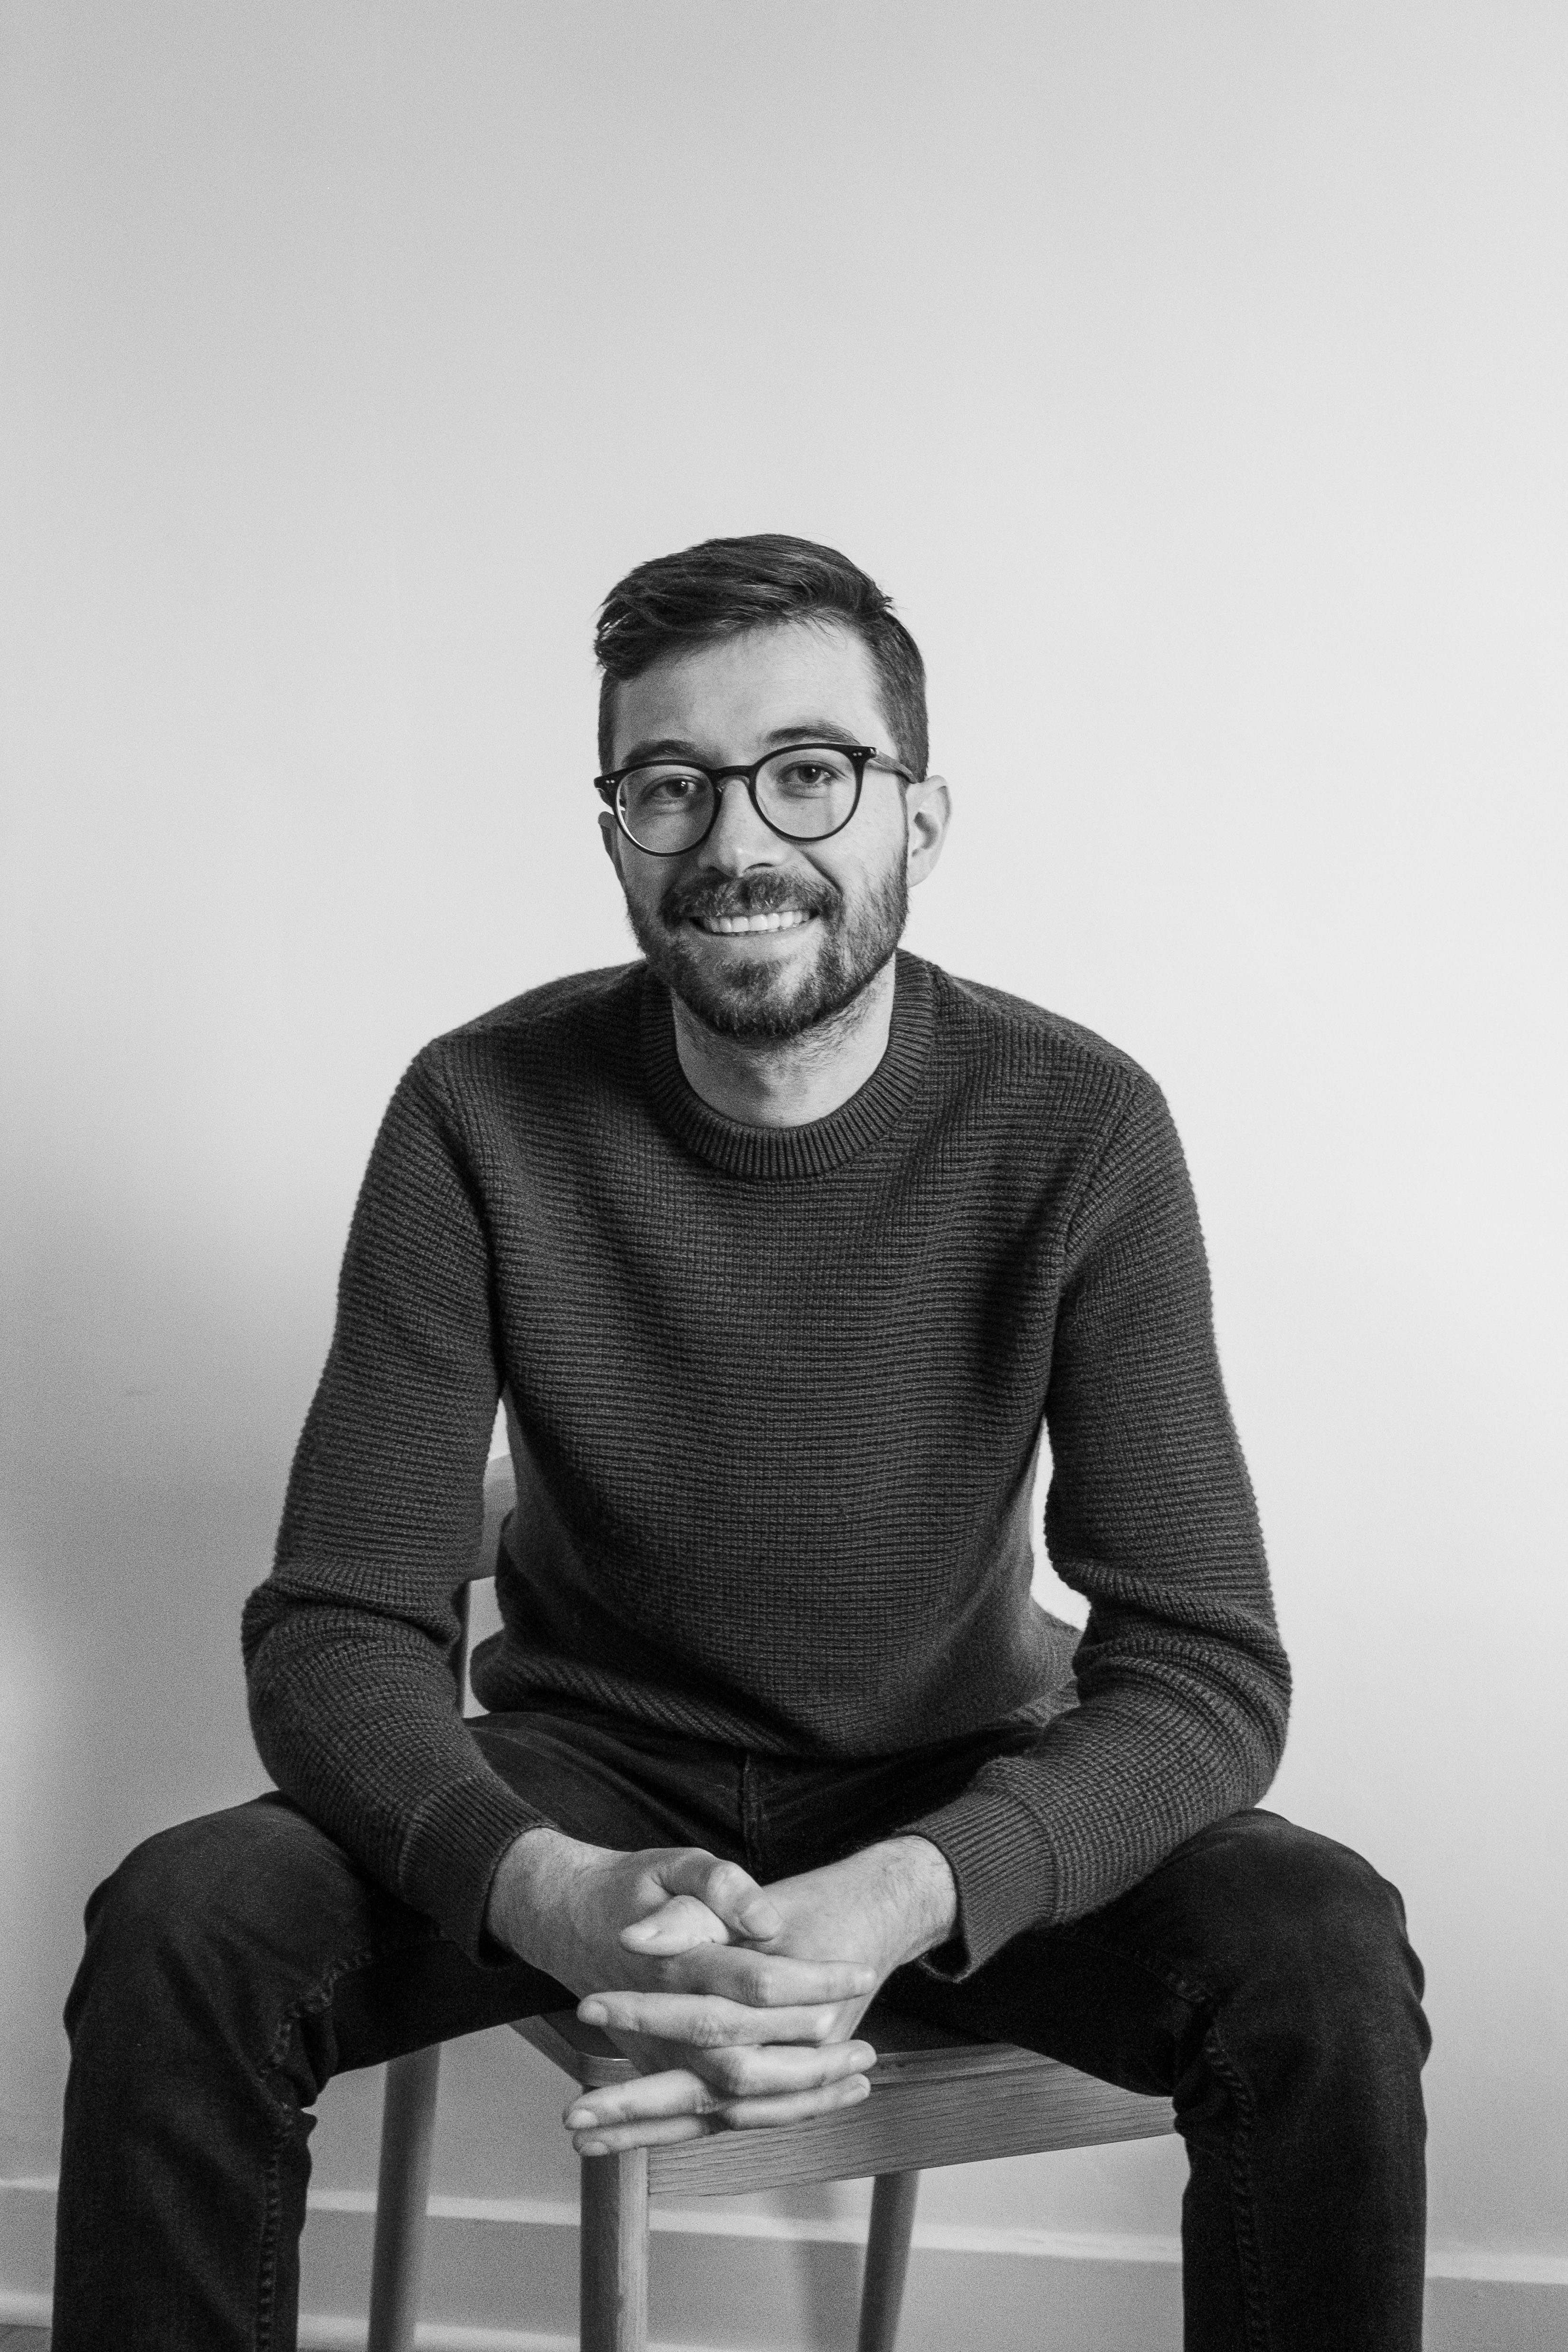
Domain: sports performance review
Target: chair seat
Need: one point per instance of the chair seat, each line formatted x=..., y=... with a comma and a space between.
x=935, y=2099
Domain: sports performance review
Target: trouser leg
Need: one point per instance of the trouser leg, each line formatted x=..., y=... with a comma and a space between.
x=1261, y=1979
x=236, y=1963
x=233, y=1966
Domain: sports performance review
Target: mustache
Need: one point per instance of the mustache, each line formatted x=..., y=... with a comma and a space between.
x=708, y=898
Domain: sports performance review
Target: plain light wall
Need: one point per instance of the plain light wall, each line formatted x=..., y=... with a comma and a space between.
x=1194, y=374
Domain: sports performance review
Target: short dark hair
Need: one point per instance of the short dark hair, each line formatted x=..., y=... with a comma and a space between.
x=677, y=602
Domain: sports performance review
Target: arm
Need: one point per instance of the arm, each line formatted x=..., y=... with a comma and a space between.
x=351, y=1695
x=1183, y=1683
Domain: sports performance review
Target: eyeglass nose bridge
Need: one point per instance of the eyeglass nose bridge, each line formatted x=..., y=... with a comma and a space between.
x=721, y=777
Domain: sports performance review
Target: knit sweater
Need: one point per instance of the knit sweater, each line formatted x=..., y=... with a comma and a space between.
x=775, y=1397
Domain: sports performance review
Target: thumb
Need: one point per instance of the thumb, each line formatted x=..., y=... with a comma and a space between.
x=730, y=1892
x=678, y=1926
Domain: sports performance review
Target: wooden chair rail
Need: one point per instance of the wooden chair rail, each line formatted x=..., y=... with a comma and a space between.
x=933, y=2101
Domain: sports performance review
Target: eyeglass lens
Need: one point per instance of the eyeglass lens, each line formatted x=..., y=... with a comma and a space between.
x=804, y=793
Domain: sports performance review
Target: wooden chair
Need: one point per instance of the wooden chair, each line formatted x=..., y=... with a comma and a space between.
x=934, y=2100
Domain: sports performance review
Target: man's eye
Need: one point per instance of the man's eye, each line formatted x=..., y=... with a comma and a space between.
x=665, y=791
x=806, y=776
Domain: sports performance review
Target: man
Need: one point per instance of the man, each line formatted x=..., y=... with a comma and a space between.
x=780, y=1248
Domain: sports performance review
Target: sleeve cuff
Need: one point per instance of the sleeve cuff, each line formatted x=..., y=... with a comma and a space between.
x=1001, y=1869
x=452, y=1854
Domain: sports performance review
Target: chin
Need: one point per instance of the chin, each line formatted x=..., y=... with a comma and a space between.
x=757, y=1004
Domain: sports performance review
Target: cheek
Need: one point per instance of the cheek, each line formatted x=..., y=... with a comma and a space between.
x=644, y=881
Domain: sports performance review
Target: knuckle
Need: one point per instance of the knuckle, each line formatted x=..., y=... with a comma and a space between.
x=734, y=2071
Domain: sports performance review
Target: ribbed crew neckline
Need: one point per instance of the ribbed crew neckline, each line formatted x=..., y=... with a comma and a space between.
x=778, y=1153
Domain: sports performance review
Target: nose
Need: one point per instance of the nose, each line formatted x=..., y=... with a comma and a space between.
x=739, y=839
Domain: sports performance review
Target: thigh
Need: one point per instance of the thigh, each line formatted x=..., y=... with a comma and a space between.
x=1250, y=1910
x=253, y=1928
x=255, y=1925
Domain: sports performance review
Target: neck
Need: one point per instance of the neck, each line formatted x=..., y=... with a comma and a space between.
x=788, y=1081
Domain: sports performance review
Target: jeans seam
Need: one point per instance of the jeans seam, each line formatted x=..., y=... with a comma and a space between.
x=311, y=2003
x=272, y=2224
x=1249, y=2251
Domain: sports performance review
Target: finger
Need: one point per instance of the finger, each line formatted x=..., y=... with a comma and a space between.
x=766, y=1980
x=771, y=2071
x=757, y=2115
x=678, y=1926
x=658, y=2132
x=780, y=2070
x=730, y=1892
x=617, y=2128
x=676, y=2091
x=706, y=2021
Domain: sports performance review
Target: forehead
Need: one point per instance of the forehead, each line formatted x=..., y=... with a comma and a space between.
x=727, y=700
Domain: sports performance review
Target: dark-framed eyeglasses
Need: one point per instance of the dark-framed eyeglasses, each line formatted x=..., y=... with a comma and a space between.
x=806, y=792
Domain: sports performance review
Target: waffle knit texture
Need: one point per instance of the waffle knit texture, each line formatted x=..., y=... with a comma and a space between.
x=774, y=1398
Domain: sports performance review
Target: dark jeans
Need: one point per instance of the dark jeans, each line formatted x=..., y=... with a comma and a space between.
x=1259, y=1977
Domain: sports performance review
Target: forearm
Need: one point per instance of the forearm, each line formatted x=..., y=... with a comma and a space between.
x=1162, y=1745
x=356, y=1720
x=529, y=1908
x=911, y=1897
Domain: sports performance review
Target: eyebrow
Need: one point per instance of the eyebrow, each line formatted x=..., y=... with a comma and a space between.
x=679, y=747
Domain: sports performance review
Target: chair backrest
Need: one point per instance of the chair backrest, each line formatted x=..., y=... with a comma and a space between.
x=500, y=1494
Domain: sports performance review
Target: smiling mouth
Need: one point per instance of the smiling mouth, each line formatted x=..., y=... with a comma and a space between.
x=791, y=919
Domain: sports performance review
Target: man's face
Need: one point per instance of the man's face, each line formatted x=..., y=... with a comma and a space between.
x=843, y=900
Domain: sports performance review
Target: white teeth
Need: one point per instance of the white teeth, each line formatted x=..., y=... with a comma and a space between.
x=727, y=925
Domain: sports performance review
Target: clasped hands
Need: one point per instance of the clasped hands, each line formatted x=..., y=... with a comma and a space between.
x=738, y=2003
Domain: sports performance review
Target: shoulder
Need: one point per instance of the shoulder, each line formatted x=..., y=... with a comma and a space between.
x=990, y=1031
x=569, y=1025
x=1031, y=1096
x=557, y=1010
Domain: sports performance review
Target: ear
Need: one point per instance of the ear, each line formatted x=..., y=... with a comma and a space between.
x=928, y=807
x=610, y=834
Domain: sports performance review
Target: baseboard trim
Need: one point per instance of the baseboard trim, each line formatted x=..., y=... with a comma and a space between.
x=505, y=2239
x=720, y=2221
x=930, y=2237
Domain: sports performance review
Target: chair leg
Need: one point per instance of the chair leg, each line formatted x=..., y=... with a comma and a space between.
x=408, y=2136
x=893, y=2199
x=615, y=2253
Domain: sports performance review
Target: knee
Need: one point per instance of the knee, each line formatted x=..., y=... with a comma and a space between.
x=179, y=1908
x=146, y=1915
x=1325, y=1954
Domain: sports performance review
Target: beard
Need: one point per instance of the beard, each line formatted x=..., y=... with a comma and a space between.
x=752, y=1000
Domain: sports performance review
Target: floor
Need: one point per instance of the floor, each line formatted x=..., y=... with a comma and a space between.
x=24, y=2339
